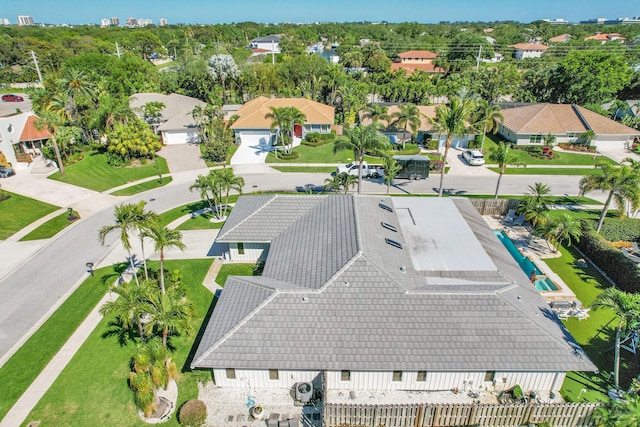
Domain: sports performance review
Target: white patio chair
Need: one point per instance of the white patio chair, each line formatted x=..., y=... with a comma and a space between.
x=564, y=314
x=583, y=313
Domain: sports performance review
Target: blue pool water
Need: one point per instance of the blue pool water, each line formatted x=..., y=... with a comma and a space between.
x=543, y=283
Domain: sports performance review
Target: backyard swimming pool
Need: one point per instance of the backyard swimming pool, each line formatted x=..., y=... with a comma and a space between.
x=529, y=268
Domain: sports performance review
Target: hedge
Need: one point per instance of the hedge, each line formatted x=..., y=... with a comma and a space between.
x=615, y=230
x=193, y=413
x=621, y=269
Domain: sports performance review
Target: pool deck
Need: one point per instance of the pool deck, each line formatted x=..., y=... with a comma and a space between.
x=536, y=249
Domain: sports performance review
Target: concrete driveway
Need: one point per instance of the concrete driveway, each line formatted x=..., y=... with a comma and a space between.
x=616, y=151
x=252, y=150
x=458, y=166
x=182, y=157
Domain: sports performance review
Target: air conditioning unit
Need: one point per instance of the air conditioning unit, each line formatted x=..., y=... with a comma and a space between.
x=304, y=392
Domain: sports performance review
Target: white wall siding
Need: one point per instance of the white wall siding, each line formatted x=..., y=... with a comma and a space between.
x=529, y=381
x=252, y=252
x=253, y=379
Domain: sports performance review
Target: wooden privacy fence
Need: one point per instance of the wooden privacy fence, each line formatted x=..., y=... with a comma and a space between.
x=451, y=415
x=494, y=206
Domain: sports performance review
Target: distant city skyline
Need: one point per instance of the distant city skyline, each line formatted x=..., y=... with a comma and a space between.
x=75, y=12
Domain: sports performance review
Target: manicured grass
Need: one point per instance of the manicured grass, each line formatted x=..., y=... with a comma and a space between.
x=95, y=173
x=202, y=222
x=19, y=211
x=595, y=334
x=139, y=188
x=321, y=154
x=554, y=200
x=549, y=171
x=27, y=363
x=233, y=270
x=305, y=169
x=52, y=227
x=93, y=390
x=175, y=213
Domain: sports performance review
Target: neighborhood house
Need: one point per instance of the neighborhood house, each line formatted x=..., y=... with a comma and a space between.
x=21, y=140
x=417, y=60
x=379, y=293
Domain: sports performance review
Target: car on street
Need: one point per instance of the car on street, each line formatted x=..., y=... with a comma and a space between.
x=6, y=171
x=10, y=97
x=473, y=157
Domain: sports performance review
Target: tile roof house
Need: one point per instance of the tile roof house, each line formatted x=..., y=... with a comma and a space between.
x=417, y=60
x=560, y=39
x=528, y=124
x=528, y=50
x=263, y=45
x=177, y=125
x=603, y=37
x=21, y=140
x=369, y=293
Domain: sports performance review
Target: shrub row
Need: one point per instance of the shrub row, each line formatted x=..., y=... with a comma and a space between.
x=622, y=270
x=626, y=229
x=320, y=137
x=578, y=147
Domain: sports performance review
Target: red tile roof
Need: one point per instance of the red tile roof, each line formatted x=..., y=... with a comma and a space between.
x=422, y=54
x=561, y=38
x=31, y=133
x=427, y=68
x=530, y=46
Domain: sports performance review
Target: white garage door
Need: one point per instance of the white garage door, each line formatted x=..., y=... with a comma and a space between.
x=171, y=138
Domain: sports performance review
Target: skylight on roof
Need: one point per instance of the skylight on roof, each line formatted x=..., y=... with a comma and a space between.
x=385, y=207
x=389, y=226
x=393, y=243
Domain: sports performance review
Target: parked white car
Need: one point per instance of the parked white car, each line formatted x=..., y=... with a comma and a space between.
x=473, y=157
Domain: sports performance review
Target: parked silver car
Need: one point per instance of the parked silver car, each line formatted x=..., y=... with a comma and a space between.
x=473, y=157
x=6, y=172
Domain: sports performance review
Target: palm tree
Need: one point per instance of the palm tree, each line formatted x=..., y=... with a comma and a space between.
x=170, y=313
x=284, y=119
x=50, y=121
x=587, y=136
x=626, y=307
x=362, y=139
x=549, y=140
x=128, y=307
x=129, y=218
x=503, y=156
x=407, y=117
x=451, y=120
x=228, y=181
x=334, y=183
x=534, y=212
x=622, y=183
x=209, y=190
x=348, y=181
x=540, y=193
x=565, y=229
x=164, y=238
x=376, y=113
x=391, y=169
x=490, y=119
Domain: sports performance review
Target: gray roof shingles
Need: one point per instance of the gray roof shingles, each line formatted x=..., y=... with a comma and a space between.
x=361, y=312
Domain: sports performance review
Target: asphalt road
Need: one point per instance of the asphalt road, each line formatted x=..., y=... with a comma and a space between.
x=35, y=288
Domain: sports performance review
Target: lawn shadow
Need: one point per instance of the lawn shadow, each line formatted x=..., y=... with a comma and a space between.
x=196, y=342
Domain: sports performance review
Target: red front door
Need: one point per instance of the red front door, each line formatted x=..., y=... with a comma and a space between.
x=297, y=131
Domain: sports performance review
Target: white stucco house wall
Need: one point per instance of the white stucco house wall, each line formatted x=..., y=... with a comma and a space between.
x=20, y=140
x=370, y=293
x=268, y=44
x=528, y=50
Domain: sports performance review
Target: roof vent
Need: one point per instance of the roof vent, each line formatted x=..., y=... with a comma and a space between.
x=389, y=226
x=346, y=283
x=385, y=207
x=305, y=299
x=403, y=269
x=393, y=243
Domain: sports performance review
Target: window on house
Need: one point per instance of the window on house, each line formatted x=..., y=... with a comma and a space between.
x=422, y=376
x=535, y=139
x=489, y=376
x=231, y=374
x=345, y=376
x=397, y=375
x=240, y=248
x=273, y=374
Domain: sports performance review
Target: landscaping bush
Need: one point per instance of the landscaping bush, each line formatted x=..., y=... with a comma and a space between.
x=626, y=229
x=316, y=139
x=622, y=270
x=435, y=166
x=292, y=156
x=430, y=144
x=539, y=152
x=193, y=413
x=584, y=148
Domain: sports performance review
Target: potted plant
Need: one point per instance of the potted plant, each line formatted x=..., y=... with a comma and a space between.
x=257, y=412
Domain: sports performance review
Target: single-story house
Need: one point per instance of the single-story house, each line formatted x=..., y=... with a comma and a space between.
x=562, y=38
x=263, y=45
x=177, y=125
x=253, y=128
x=379, y=293
x=417, y=60
x=425, y=129
x=20, y=140
x=528, y=50
x=603, y=37
x=529, y=124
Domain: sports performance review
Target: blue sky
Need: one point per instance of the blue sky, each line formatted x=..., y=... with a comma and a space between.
x=226, y=11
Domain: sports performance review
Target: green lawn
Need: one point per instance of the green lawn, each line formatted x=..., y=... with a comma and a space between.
x=595, y=334
x=19, y=211
x=321, y=154
x=139, y=188
x=51, y=227
x=25, y=365
x=201, y=222
x=92, y=390
x=548, y=171
x=305, y=169
x=95, y=173
x=175, y=213
x=555, y=200
x=233, y=270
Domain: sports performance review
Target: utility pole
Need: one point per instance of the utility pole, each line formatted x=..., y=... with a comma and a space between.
x=478, y=59
x=117, y=50
x=35, y=61
x=273, y=52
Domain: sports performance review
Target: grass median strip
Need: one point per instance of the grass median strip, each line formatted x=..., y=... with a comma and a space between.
x=19, y=211
x=549, y=171
x=53, y=226
x=143, y=186
x=305, y=169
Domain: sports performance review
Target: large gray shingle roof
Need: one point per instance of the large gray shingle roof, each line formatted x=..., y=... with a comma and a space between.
x=331, y=273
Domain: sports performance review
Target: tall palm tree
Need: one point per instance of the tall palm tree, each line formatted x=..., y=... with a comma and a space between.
x=284, y=119
x=163, y=238
x=565, y=228
x=622, y=183
x=452, y=120
x=540, y=193
x=626, y=307
x=50, y=121
x=362, y=139
x=169, y=313
x=75, y=86
x=129, y=306
x=407, y=117
x=208, y=190
x=129, y=218
x=376, y=113
x=503, y=156
x=391, y=169
x=490, y=119
x=228, y=182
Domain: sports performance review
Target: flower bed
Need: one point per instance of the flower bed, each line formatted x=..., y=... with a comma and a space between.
x=581, y=148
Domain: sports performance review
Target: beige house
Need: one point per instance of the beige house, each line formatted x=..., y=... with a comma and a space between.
x=417, y=60
x=528, y=50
